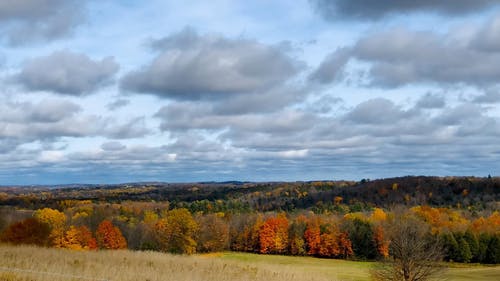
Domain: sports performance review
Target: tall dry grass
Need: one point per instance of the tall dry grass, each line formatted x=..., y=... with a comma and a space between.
x=26, y=263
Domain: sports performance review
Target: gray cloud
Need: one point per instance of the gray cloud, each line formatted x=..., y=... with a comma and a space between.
x=460, y=114
x=430, y=101
x=46, y=111
x=132, y=158
x=376, y=111
x=419, y=57
x=186, y=116
x=470, y=121
x=399, y=57
x=488, y=37
x=67, y=73
x=27, y=132
x=112, y=146
x=332, y=67
x=271, y=100
x=488, y=96
x=325, y=104
x=27, y=21
x=134, y=128
x=204, y=143
x=372, y=10
x=51, y=120
x=191, y=66
x=119, y=103
x=53, y=111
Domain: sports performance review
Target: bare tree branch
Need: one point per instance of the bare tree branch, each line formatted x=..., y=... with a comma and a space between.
x=415, y=253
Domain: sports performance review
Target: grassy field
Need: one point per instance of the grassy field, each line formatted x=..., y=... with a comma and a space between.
x=331, y=269
x=25, y=263
x=476, y=273
x=353, y=270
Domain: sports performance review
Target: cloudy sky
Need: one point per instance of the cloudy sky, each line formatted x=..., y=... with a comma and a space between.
x=181, y=91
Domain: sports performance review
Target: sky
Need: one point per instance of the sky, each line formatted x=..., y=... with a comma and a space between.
x=184, y=91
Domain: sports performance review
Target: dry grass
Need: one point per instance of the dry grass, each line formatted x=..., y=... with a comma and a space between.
x=66, y=265
x=43, y=264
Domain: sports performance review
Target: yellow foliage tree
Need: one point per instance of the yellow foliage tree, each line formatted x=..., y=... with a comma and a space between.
x=150, y=217
x=176, y=232
x=378, y=215
x=56, y=221
x=71, y=240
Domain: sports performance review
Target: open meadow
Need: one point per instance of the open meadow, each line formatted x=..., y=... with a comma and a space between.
x=26, y=263
x=334, y=269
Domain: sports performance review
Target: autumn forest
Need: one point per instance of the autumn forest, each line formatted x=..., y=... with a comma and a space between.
x=328, y=219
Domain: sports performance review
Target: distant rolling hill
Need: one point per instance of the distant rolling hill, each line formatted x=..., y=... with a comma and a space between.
x=470, y=192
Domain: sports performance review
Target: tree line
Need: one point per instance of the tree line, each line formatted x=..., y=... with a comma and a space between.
x=83, y=225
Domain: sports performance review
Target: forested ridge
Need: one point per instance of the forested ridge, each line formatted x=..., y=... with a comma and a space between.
x=470, y=192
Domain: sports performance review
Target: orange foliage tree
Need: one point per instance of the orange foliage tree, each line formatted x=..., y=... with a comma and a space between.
x=273, y=235
x=378, y=217
x=79, y=238
x=312, y=235
x=333, y=243
x=329, y=246
x=109, y=236
x=489, y=225
x=441, y=219
x=381, y=242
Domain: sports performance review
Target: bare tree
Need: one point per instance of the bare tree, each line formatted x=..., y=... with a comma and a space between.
x=415, y=254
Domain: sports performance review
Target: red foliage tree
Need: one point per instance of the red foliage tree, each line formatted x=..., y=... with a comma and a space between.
x=345, y=245
x=28, y=231
x=109, y=236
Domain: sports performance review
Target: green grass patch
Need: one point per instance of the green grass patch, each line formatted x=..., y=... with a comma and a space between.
x=356, y=270
x=330, y=268
x=474, y=272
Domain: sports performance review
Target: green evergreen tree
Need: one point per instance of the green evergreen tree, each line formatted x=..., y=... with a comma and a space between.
x=473, y=242
x=450, y=245
x=484, y=242
x=464, y=252
x=361, y=236
x=493, y=254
